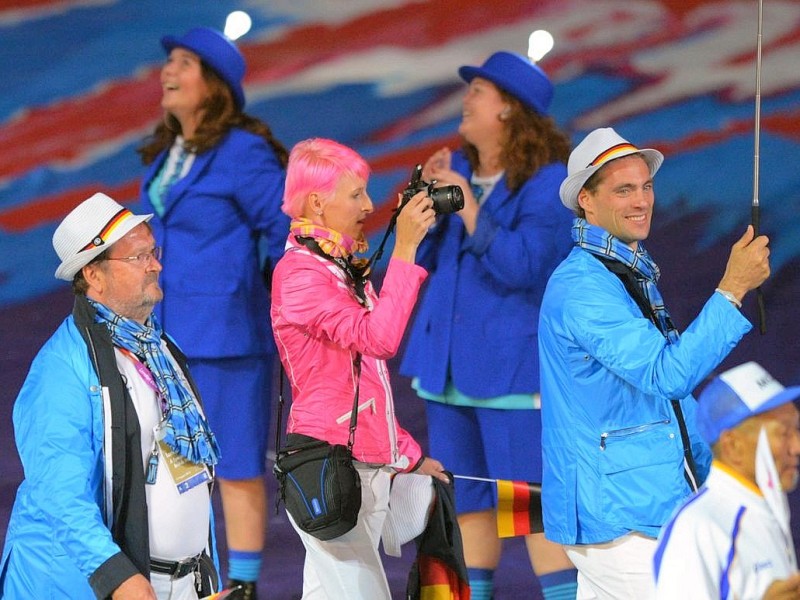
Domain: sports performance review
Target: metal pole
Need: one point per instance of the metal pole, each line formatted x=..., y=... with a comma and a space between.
x=755, y=209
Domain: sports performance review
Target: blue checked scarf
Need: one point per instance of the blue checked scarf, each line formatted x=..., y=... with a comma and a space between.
x=598, y=241
x=187, y=432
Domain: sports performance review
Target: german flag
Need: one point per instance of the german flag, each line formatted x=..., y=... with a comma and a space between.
x=519, y=508
x=438, y=581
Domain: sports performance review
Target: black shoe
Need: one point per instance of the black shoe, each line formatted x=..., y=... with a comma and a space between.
x=247, y=591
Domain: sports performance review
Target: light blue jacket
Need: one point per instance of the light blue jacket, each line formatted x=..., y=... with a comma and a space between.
x=479, y=316
x=612, y=450
x=216, y=303
x=79, y=525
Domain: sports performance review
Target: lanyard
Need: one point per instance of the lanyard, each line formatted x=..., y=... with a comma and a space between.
x=147, y=376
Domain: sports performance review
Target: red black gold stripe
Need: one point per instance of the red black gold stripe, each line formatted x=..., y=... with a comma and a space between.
x=519, y=508
x=109, y=228
x=438, y=581
x=612, y=152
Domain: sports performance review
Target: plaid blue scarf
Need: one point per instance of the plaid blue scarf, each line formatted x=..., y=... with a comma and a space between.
x=598, y=241
x=187, y=432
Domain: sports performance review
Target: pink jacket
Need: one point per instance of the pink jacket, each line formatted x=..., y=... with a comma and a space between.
x=319, y=326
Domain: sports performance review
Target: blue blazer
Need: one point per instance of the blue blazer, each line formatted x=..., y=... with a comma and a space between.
x=477, y=324
x=216, y=302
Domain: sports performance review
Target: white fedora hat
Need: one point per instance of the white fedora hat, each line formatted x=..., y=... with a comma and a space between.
x=596, y=149
x=91, y=228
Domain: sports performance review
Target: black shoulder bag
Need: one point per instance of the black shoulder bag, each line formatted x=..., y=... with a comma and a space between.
x=317, y=481
x=628, y=279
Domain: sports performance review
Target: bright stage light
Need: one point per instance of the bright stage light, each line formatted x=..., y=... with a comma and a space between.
x=540, y=43
x=237, y=24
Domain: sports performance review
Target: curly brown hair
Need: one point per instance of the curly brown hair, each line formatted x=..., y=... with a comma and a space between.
x=219, y=117
x=531, y=142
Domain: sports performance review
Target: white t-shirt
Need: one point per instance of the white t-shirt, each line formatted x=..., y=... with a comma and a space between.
x=722, y=543
x=178, y=522
x=482, y=187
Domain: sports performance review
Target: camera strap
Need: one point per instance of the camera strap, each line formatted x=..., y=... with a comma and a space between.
x=376, y=256
x=357, y=276
x=351, y=439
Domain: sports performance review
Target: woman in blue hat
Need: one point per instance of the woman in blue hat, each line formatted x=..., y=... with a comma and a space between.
x=472, y=352
x=214, y=180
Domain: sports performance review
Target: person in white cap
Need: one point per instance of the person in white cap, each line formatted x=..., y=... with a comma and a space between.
x=620, y=446
x=733, y=539
x=117, y=455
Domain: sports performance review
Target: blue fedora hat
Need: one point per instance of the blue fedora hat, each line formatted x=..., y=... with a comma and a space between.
x=516, y=75
x=218, y=52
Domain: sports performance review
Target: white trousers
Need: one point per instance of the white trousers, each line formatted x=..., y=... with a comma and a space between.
x=618, y=570
x=167, y=589
x=350, y=565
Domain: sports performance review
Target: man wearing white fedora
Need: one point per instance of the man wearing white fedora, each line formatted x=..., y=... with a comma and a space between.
x=117, y=455
x=620, y=445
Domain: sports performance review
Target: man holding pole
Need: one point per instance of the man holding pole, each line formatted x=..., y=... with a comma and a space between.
x=619, y=443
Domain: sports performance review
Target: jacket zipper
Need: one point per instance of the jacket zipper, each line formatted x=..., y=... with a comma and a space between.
x=626, y=431
x=390, y=418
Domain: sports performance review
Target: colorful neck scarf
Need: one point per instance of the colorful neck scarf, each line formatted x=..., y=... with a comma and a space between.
x=338, y=248
x=187, y=432
x=332, y=242
x=598, y=241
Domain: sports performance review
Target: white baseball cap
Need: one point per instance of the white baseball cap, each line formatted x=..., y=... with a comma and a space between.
x=737, y=395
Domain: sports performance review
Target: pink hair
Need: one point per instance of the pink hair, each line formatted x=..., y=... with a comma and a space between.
x=317, y=165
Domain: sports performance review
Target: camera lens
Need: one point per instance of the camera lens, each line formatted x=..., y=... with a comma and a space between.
x=447, y=199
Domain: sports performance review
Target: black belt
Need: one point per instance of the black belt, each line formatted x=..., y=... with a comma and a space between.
x=177, y=569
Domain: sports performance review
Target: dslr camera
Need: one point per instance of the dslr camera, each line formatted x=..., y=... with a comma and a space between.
x=446, y=199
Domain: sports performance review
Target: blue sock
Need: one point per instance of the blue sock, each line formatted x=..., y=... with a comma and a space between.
x=244, y=566
x=481, y=583
x=559, y=585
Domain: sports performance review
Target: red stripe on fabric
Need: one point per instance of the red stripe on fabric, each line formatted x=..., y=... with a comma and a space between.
x=21, y=4
x=613, y=150
x=432, y=571
x=53, y=208
x=71, y=129
x=439, y=582
x=522, y=505
x=123, y=214
x=416, y=26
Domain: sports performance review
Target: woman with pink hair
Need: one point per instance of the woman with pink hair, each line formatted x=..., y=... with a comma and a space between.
x=325, y=312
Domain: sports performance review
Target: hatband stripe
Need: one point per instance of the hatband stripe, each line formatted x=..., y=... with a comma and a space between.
x=611, y=152
x=109, y=228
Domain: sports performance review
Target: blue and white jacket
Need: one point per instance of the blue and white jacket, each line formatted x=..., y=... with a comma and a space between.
x=612, y=449
x=79, y=525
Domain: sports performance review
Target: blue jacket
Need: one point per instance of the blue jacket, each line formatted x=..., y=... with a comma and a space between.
x=79, y=525
x=612, y=450
x=478, y=319
x=216, y=303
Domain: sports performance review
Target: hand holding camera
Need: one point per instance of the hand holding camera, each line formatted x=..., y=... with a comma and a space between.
x=415, y=215
x=446, y=199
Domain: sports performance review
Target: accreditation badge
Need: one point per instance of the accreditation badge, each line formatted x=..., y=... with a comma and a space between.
x=185, y=473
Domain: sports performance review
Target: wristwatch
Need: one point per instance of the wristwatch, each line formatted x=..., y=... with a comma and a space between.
x=729, y=297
